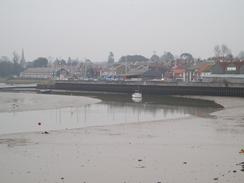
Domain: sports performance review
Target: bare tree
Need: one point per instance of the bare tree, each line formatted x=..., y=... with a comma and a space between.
x=225, y=50
x=111, y=58
x=167, y=57
x=241, y=55
x=217, y=51
x=222, y=51
x=16, y=57
x=155, y=57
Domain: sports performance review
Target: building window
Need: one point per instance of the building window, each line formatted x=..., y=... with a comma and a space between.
x=231, y=68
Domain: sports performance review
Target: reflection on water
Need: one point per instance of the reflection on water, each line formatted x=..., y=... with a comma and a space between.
x=112, y=110
x=137, y=100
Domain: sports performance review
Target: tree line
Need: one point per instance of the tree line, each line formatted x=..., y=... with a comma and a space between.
x=10, y=67
x=220, y=51
x=13, y=67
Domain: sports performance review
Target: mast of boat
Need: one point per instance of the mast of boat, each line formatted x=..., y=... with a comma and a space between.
x=126, y=66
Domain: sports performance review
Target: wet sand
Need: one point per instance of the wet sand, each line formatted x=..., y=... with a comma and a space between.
x=187, y=150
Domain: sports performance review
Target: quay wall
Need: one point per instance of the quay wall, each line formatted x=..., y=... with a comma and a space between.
x=155, y=88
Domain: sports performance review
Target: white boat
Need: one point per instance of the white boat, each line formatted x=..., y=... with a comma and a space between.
x=136, y=95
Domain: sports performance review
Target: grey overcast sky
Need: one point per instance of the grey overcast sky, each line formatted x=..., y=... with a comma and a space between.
x=93, y=28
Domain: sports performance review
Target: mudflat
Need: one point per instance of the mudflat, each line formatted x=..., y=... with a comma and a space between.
x=32, y=101
x=190, y=149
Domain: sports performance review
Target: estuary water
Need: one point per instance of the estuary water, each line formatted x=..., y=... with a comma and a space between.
x=29, y=112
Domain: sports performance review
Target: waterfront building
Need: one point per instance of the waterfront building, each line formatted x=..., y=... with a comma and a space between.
x=235, y=67
x=38, y=73
x=46, y=73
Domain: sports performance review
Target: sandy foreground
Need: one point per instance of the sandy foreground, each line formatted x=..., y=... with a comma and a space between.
x=180, y=150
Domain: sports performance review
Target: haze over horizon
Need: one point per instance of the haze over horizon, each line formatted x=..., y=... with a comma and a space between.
x=93, y=28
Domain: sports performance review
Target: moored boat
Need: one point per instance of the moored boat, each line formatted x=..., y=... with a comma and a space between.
x=137, y=95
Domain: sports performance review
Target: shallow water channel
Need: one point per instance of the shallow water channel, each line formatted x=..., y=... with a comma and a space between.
x=28, y=112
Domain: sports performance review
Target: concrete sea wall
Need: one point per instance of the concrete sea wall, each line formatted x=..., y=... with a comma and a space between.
x=156, y=88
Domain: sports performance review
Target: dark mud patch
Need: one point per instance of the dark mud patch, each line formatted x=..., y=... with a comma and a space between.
x=12, y=142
